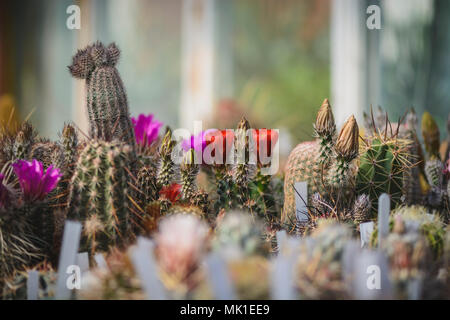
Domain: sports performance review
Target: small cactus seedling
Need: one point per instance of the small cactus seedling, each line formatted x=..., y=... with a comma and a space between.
x=106, y=97
x=100, y=195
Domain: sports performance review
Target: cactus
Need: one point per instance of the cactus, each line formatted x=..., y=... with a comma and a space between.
x=381, y=169
x=106, y=97
x=430, y=133
x=167, y=170
x=411, y=179
x=325, y=132
x=340, y=176
x=65, y=158
x=240, y=235
x=225, y=188
x=245, y=168
x=24, y=142
x=100, y=195
x=309, y=161
x=146, y=184
x=434, y=171
x=188, y=172
x=361, y=209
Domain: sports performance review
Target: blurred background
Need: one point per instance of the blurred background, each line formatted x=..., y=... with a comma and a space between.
x=216, y=60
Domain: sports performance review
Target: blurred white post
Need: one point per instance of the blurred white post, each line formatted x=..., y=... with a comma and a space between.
x=197, y=62
x=354, y=60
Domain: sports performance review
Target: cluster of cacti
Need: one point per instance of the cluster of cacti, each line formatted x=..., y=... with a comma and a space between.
x=125, y=181
x=328, y=166
x=100, y=194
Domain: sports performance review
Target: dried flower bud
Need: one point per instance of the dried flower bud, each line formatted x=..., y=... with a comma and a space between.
x=325, y=125
x=347, y=144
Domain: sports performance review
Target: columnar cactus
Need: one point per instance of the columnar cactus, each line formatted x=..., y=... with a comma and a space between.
x=100, y=195
x=24, y=141
x=244, y=170
x=106, y=97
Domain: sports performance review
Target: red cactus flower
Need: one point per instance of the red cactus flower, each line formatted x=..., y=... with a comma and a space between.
x=220, y=141
x=265, y=140
x=171, y=192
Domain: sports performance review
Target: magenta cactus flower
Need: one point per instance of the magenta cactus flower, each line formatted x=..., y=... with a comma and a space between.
x=34, y=182
x=146, y=129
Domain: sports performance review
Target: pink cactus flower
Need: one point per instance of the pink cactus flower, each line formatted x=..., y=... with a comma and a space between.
x=34, y=182
x=146, y=129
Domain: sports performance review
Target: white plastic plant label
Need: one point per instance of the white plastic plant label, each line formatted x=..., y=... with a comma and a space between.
x=67, y=271
x=384, y=209
x=219, y=278
x=301, y=201
x=32, y=285
x=365, y=231
x=371, y=276
x=100, y=261
x=144, y=262
x=282, y=278
x=83, y=261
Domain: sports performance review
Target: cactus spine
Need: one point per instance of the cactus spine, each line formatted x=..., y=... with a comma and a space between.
x=106, y=97
x=100, y=195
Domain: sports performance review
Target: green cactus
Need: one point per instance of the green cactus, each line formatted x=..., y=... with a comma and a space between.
x=106, y=97
x=381, y=169
x=65, y=158
x=100, y=194
x=325, y=132
x=188, y=172
x=146, y=184
x=225, y=188
x=167, y=169
x=23, y=142
x=361, y=209
x=244, y=170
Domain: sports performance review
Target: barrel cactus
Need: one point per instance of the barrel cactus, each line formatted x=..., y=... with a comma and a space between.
x=309, y=161
x=381, y=169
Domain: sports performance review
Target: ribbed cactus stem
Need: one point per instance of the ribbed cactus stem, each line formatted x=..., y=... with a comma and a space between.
x=189, y=171
x=24, y=141
x=106, y=97
x=339, y=174
x=100, y=195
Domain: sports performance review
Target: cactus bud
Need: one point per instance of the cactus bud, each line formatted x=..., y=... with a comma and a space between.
x=347, y=144
x=325, y=125
x=430, y=133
